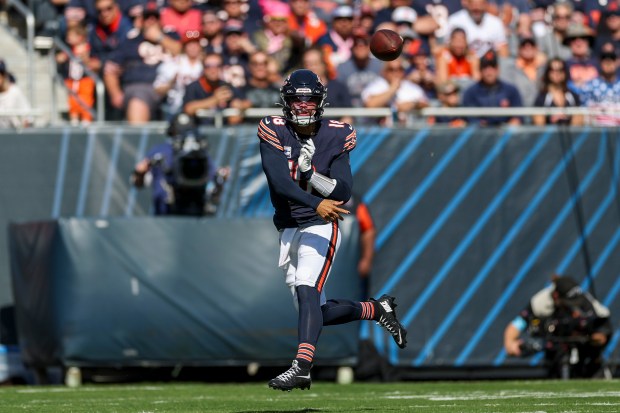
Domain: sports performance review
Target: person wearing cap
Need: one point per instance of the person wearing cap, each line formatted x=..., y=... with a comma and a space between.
x=236, y=53
x=275, y=37
x=448, y=97
x=551, y=42
x=525, y=70
x=603, y=92
x=174, y=75
x=424, y=24
x=559, y=318
x=338, y=41
x=12, y=98
x=581, y=66
x=491, y=92
x=484, y=31
x=608, y=32
x=359, y=71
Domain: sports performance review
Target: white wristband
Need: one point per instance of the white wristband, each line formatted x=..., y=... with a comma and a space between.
x=322, y=184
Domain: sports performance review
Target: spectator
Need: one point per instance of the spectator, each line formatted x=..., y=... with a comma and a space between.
x=608, y=32
x=557, y=319
x=421, y=70
x=448, y=96
x=12, y=99
x=237, y=50
x=260, y=91
x=392, y=90
x=313, y=59
x=554, y=93
x=439, y=11
x=524, y=71
x=274, y=38
x=210, y=91
x=551, y=43
x=491, y=92
x=603, y=92
x=424, y=24
x=484, y=30
x=338, y=41
x=581, y=66
x=87, y=11
x=105, y=36
x=305, y=25
x=238, y=10
x=179, y=16
x=81, y=87
x=456, y=61
x=357, y=72
x=131, y=70
x=212, y=32
x=363, y=24
x=367, y=236
x=174, y=75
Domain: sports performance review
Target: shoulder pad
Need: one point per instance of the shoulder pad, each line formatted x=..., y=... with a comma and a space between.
x=267, y=131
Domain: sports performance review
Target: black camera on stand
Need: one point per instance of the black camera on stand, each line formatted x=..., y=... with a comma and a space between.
x=189, y=173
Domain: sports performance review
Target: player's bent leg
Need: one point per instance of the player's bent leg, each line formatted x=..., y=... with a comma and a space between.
x=386, y=318
x=341, y=311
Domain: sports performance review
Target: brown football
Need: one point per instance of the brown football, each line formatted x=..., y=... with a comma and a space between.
x=386, y=44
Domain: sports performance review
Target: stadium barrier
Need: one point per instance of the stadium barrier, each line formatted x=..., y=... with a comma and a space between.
x=471, y=222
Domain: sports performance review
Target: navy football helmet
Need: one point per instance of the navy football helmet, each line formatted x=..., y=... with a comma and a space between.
x=305, y=86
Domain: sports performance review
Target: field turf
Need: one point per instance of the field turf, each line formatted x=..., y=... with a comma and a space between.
x=573, y=396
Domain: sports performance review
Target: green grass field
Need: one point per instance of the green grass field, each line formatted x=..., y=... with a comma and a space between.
x=574, y=396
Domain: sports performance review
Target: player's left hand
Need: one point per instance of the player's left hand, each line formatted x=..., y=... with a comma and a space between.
x=305, y=156
x=331, y=211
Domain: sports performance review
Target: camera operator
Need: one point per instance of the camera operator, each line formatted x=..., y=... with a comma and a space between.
x=183, y=179
x=568, y=324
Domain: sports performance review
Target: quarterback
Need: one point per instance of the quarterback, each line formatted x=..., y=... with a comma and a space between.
x=306, y=161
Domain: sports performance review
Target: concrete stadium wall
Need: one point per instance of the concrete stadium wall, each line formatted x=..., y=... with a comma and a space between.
x=470, y=222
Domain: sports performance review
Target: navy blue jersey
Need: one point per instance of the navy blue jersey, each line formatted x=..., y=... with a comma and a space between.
x=294, y=199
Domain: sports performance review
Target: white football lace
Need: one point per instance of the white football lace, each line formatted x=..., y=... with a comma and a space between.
x=391, y=327
x=290, y=373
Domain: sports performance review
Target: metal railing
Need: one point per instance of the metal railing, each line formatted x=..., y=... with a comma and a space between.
x=99, y=86
x=30, y=22
x=219, y=116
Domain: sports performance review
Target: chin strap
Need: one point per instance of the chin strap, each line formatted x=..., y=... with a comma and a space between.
x=324, y=185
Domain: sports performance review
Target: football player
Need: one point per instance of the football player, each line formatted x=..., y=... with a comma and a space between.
x=306, y=161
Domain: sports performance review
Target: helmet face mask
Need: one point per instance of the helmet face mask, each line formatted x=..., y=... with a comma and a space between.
x=303, y=97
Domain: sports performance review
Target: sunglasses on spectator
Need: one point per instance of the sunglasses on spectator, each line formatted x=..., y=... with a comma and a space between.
x=394, y=69
x=212, y=65
x=105, y=9
x=258, y=62
x=561, y=17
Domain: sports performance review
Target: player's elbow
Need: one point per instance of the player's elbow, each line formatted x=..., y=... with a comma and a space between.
x=342, y=192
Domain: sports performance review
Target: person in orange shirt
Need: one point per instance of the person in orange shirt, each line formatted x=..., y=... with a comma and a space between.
x=367, y=234
x=456, y=61
x=304, y=23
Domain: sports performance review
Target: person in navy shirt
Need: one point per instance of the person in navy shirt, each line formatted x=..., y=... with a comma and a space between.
x=306, y=161
x=492, y=92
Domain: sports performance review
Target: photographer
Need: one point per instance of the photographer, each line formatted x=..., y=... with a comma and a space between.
x=183, y=179
x=568, y=324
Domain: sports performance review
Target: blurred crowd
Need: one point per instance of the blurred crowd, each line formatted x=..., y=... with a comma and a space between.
x=169, y=56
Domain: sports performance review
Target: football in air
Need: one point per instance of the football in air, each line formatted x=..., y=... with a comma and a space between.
x=386, y=44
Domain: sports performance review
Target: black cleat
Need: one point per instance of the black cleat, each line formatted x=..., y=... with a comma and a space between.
x=387, y=319
x=293, y=378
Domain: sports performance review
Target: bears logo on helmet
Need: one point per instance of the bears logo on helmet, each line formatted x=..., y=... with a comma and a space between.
x=303, y=86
